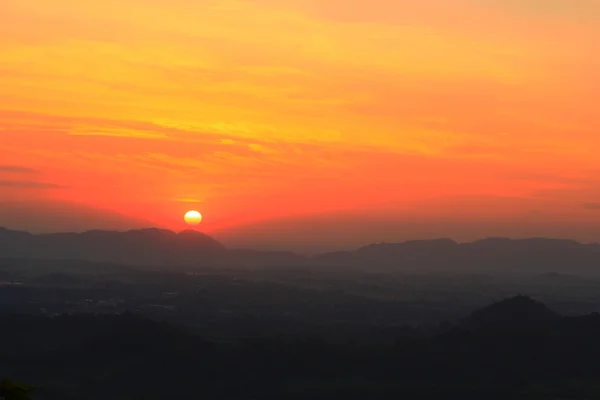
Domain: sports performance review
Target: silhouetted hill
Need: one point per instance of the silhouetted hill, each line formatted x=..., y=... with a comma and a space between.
x=520, y=312
x=150, y=247
x=145, y=246
x=492, y=254
x=124, y=356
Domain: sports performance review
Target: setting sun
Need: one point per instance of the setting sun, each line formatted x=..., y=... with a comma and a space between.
x=302, y=123
x=193, y=218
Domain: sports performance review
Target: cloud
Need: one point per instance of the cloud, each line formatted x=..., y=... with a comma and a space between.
x=592, y=206
x=15, y=169
x=117, y=132
x=581, y=10
x=259, y=148
x=30, y=185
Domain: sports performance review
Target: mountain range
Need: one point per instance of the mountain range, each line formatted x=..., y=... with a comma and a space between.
x=490, y=254
x=136, y=247
x=164, y=247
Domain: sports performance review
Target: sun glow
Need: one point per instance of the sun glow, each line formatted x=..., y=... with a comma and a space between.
x=193, y=218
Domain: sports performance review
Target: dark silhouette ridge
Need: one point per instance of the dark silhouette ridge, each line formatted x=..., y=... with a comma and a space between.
x=164, y=247
x=491, y=254
x=143, y=246
x=520, y=312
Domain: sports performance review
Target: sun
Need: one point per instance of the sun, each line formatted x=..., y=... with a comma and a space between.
x=193, y=217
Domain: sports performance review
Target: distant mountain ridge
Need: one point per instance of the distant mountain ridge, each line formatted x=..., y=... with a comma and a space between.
x=164, y=247
x=153, y=246
x=144, y=246
x=533, y=255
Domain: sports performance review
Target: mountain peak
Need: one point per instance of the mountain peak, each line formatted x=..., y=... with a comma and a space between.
x=519, y=312
x=192, y=233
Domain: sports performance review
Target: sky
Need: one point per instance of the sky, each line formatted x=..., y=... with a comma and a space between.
x=312, y=122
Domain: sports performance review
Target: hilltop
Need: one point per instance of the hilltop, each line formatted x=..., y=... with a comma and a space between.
x=516, y=313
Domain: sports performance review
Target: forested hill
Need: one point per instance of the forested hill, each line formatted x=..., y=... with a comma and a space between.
x=128, y=357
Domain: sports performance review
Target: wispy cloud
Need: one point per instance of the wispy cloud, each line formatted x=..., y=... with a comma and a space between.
x=330, y=102
x=16, y=169
x=30, y=185
x=117, y=132
x=592, y=206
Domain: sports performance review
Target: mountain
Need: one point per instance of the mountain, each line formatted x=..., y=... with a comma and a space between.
x=535, y=255
x=516, y=313
x=152, y=247
x=164, y=247
x=144, y=246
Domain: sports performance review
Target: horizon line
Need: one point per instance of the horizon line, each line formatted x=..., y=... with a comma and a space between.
x=457, y=242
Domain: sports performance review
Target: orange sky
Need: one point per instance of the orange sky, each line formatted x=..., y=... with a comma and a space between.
x=449, y=110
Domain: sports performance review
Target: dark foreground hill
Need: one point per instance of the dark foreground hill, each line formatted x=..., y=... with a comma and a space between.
x=517, y=313
x=126, y=357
